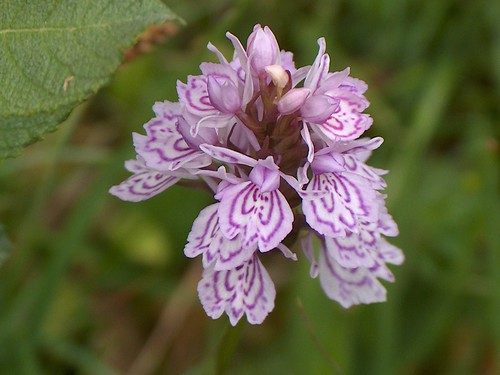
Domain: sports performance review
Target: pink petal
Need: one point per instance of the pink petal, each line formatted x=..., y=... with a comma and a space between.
x=354, y=85
x=246, y=289
x=265, y=174
x=217, y=53
x=204, y=229
x=390, y=253
x=360, y=147
x=262, y=218
x=345, y=125
x=168, y=112
x=355, y=166
x=347, y=122
x=328, y=215
x=293, y=100
x=308, y=250
x=349, y=251
x=206, y=238
x=226, y=155
x=333, y=81
x=169, y=152
x=349, y=286
x=194, y=96
x=262, y=49
x=358, y=195
x=227, y=253
x=320, y=67
x=224, y=96
x=144, y=184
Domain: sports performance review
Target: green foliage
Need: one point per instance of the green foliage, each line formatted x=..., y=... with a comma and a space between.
x=5, y=245
x=55, y=54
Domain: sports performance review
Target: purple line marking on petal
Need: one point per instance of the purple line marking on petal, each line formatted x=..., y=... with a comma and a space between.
x=147, y=189
x=362, y=281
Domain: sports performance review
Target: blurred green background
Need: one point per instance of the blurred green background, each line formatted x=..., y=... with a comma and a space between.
x=98, y=286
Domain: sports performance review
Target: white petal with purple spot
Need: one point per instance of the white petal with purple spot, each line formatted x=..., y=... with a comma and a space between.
x=144, y=184
x=347, y=122
x=204, y=229
x=328, y=215
x=194, y=96
x=349, y=251
x=246, y=289
x=349, y=199
x=349, y=286
x=354, y=166
x=206, y=238
x=261, y=218
x=169, y=152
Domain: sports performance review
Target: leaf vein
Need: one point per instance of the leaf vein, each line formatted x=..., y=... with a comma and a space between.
x=74, y=28
x=17, y=66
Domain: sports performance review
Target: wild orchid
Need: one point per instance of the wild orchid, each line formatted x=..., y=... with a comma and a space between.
x=279, y=148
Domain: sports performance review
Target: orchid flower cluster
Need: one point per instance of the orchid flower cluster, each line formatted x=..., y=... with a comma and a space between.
x=279, y=148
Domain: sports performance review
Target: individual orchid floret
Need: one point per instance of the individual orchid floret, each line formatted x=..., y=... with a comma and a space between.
x=211, y=106
x=278, y=148
x=353, y=280
x=349, y=198
x=256, y=209
x=349, y=286
x=335, y=106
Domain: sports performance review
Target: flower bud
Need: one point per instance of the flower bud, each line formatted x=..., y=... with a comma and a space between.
x=331, y=162
x=265, y=175
x=224, y=97
x=318, y=108
x=293, y=100
x=262, y=49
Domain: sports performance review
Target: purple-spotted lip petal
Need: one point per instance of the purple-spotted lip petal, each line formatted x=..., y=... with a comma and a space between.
x=218, y=251
x=349, y=286
x=244, y=290
x=263, y=219
x=349, y=251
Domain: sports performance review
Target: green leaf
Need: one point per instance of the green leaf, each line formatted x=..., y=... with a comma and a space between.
x=55, y=54
x=5, y=246
x=227, y=347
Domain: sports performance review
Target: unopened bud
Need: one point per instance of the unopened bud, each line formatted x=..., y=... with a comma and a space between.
x=262, y=49
x=293, y=100
x=224, y=97
x=318, y=108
